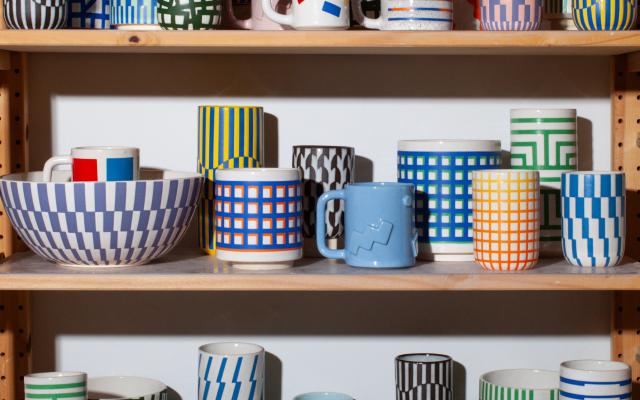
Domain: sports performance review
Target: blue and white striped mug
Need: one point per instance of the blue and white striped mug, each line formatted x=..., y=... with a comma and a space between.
x=593, y=218
x=134, y=14
x=594, y=379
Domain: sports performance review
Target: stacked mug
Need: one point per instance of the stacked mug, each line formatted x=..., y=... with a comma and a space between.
x=228, y=137
x=424, y=376
x=229, y=371
x=544, y=140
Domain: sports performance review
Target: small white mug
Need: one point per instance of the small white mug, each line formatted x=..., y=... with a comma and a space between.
x=408, y=15
x=98, y=163
x=312, y=14
x=68, y=385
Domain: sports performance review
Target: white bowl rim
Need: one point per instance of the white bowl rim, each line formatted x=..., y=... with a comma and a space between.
x=159, y=386
x=215, y=348
x=322, y=393
x=56, y=374
x=24, y=176
x=531, y=371
x=607, y=365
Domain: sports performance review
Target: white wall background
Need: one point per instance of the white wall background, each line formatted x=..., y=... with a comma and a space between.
x=331, y=341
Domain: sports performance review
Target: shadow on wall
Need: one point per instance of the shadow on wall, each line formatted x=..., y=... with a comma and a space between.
x=585, y=144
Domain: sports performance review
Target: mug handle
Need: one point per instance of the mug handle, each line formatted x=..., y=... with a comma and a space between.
x=231, y=17
x=275, y=16
x=358, y=15
x=321, y=229
x=52, y=163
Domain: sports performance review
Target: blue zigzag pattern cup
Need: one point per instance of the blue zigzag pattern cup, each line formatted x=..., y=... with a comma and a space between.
x=593, y=218
x=231, y=371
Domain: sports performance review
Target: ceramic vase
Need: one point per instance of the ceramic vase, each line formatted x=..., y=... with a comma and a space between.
x=526, y=384
x=593, y=218
x=424, y=376
x=605, y=15
x=594, y=379
x=506, y=224
x=134, y=15
x=441, y=172
x=35, y=14
x=190, y=15
x=545, y=140
x=511, y=15
x=89, y=14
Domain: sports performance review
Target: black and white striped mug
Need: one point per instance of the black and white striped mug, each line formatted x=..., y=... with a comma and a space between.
x=35, y=14
x=424, y=376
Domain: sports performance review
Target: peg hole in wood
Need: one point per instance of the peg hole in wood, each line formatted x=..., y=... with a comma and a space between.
x=619, y=120
x=17, y=94
x=619, y=167
x=20, y=307
x=619, y=355
x=619, y=308
x=18, y=165
x=18, y=142
x=17, y=118
x=619, y=144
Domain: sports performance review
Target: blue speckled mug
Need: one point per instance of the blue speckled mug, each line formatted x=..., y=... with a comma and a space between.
x=379, y=228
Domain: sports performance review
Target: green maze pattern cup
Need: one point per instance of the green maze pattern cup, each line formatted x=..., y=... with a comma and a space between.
x=545, y=140
x=56, y=385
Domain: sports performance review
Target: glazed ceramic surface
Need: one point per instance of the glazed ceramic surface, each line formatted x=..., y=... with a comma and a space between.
x=408, y=15
x=323, y=396
x=189, y=14
x=98, y=163
x=228, y=137
x=89, y=14
x=379, y=225
x=312, y=14
x=424, y=376
x=506, y=225
x=101, y=223
x=231, y=371
x=558, y=14
x=593, y=379
x=441, y=172
x=35, y=14
x=426, y=391
x=544, y=140
x=56, y=385
x=126, y=388
x=259, y=217
x=258, y=20
x=527, y=384
x=134, y=14
x=593, y=218
x=511, y=15
x=605, y=15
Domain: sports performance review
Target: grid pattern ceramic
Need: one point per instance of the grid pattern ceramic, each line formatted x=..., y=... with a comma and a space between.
x=443, y=191
x=90, y=14
x=134, y=12
x=506, y=226
x=593, y=219
x=605, y=15
x=189, y=14
x=255, y=216
x=511, y=15
x=222, y=377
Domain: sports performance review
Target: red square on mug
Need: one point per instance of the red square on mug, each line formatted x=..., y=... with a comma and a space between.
x=85, y=169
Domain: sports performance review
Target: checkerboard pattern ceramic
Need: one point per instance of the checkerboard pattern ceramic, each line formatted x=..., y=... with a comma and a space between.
x=511, y=15
x=189, y=14
x=89, y=14
x=506, y=225
x=254, y=216
x=593, y=218
x=443, y=191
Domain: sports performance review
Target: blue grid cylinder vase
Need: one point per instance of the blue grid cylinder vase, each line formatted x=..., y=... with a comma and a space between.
x=441, y=172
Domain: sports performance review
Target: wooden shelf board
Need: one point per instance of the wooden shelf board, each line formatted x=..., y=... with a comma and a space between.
x=323, y=42
x=187, y=270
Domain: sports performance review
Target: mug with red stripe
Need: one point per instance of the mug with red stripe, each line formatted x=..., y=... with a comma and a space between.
x=98, y=163
x=408, y=15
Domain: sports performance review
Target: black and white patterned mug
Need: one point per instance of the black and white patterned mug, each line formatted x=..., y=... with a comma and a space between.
x=424, y=376
x=323, y=168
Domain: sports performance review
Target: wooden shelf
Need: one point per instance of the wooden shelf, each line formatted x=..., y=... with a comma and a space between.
x=323, y=42
x=187, y=270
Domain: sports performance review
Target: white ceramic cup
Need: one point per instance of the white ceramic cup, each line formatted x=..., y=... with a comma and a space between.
x=67, y=385
x=529, y=384
x=595, y=378
x=126, y=387
x=312, y=14
x=258, y=20
x=258, y=217
x=323, y=396
x=408, y=15
x=98, y=163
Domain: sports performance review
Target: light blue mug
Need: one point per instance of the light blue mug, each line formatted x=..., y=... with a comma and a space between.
x=323, y=396
x=379, y=229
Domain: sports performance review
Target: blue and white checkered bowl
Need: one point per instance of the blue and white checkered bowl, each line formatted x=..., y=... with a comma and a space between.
x=101, y=223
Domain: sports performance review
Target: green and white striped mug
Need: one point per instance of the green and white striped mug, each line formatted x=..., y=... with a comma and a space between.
x=56, y=386
x=524, y=384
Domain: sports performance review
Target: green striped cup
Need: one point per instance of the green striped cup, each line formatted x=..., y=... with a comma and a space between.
x=519, y=384
x=56, y=385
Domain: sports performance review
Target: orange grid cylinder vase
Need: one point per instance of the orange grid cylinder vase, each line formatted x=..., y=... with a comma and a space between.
x=506, y=224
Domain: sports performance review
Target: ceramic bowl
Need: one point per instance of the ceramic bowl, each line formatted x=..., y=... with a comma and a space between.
x=530, y=384
x=595, y=379
x=56, y=385
x=44, y=14
x=125, y=388
x=101, y=223
x=323, y=396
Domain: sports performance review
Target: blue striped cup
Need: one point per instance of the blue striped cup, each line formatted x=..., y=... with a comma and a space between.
x=594, y=379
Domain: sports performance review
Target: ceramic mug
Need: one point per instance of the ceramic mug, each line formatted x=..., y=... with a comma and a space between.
x=511, y=15
x=323, y=396
x=192, y=15
x=258, y=217
x=593, y=218
x=89, y=14
x=441, y=172
x=312, y=14
x=506, y=222
x=545, y=140
x=126, y=388
x=593, y=379
x=135, y=15
x=527, y=384
x=98, y=163
x=378, y=223
x=231, y=371
x=258, y=20
x=35, y=14
x=605, y=15
x=408, y=15
x=558, y=15
x=56, y=385
x=323, y=168
x=421, y=374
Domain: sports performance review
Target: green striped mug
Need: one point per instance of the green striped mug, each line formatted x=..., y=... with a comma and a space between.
x=56, y=386
x=519, y=384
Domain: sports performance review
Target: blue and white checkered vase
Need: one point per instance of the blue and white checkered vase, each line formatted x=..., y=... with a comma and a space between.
x=593, y=218
x=89, y=14
x=100, y=223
